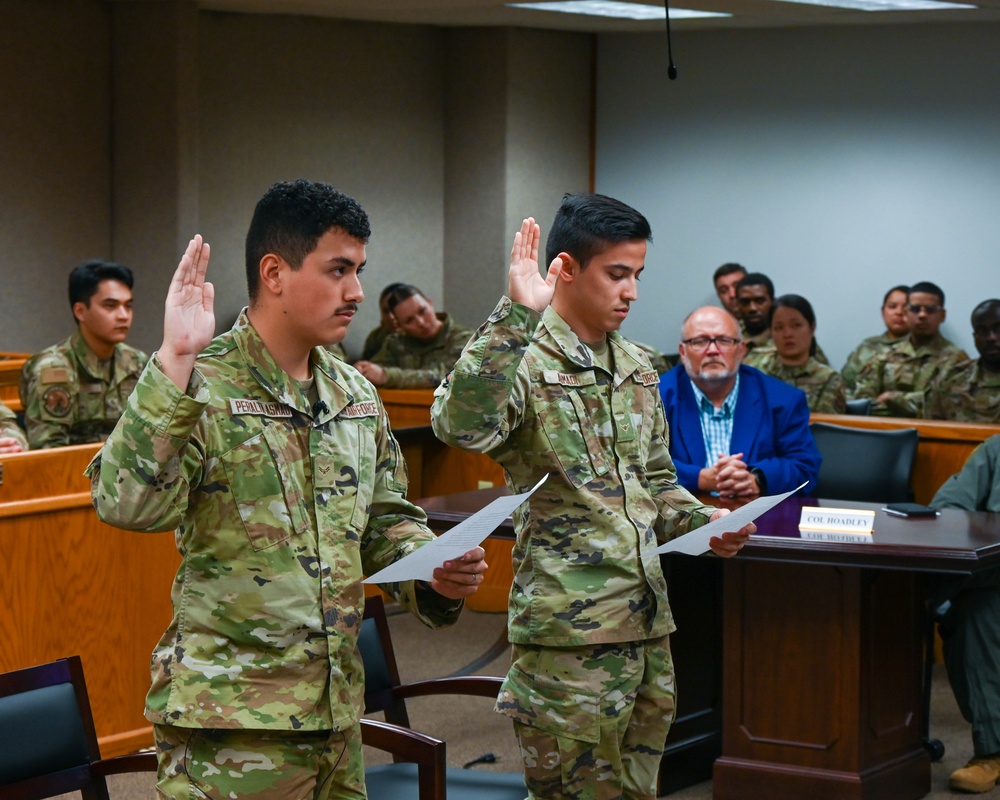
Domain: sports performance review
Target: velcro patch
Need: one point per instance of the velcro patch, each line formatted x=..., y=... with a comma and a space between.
x=57, y=402
x=648, y=378
x=55, y=375
x=259, y=407
x=369, y=408
x=569, y=378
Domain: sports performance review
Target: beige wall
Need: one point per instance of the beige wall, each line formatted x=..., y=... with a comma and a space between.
x=55, y=160
x=153, y=121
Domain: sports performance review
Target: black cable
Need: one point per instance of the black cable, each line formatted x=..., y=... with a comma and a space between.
x=672, y=69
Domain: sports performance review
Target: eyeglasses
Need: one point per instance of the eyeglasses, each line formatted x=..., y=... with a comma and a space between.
x=915, y=308
x=699, y=343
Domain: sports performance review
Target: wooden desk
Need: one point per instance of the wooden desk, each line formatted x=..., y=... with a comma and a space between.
x=69, y=584
x=823, y=647
x=941, y=450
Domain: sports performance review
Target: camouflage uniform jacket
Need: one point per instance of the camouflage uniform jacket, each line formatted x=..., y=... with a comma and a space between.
x=412, y=364
x=373, y=342
x=907, y=372
x=9, y=426
x=67, y=396
x=965, y=393
x=279, y=506
x=822, y=384
x=871, y=348
x=527, y=392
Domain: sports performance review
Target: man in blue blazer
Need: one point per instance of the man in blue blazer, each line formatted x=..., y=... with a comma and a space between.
x=733, y=429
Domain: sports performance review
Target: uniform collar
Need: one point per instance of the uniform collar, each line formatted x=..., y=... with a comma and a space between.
x=576, y=351
x=333, y=395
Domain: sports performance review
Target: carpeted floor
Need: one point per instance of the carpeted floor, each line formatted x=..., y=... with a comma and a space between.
x=472, y=730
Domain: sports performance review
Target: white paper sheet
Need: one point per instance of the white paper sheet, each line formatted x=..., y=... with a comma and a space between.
x=469, y=533
x=696, y=542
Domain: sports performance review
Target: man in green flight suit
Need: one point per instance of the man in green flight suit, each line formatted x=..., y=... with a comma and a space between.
x=74, y=392
x=549, y=387
x=970, y=624
x=274, y=464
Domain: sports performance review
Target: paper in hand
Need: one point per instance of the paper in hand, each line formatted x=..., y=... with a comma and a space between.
x=469, y=533
x=696, y=542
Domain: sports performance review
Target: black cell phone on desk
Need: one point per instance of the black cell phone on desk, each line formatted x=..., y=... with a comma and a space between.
x=909, y=510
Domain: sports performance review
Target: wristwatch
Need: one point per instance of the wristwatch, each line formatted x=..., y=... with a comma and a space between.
x=758, y=473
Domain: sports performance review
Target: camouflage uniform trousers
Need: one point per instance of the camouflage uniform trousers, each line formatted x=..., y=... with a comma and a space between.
x=592, y=721
x=196, y=763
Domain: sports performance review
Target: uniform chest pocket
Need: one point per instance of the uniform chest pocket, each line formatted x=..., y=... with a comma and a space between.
x=268, y=489
x=573, y=437
x=345, y=473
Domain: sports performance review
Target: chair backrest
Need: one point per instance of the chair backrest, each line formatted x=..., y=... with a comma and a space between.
x=865, y=465
x=47, y=735
x=381, y=673
x=862, y=406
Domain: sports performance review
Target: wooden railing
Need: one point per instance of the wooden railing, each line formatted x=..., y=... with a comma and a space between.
x=10, y=377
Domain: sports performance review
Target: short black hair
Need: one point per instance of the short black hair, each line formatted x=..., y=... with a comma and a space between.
x=292, y=217
x=901, y=288
x=388, y=289
x=587, y=224
x=926, y=287
x=984, y=308
x=86, y=277
x=757, y=279
x=728, y=269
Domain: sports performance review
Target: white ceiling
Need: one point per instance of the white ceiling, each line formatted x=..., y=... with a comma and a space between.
x=746, y=13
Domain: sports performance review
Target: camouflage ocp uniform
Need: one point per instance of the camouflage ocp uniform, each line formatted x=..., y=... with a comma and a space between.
x=279, y=501
x=965, y=393
x=822, y=384
x=410, y=363
x=9, y=426
x=871, y=348
x=588, y=604
x=70, y=396
x=906, y=372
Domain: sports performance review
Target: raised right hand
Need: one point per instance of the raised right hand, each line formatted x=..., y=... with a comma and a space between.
x=524, y=283
x=188, y=314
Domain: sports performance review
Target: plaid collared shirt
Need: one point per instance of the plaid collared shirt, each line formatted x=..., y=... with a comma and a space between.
x=716, y=423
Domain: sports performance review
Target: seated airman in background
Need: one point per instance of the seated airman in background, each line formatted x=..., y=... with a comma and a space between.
x=897, y=380
x=422, y=351
x=896, y=330
x=970, y=391
x=75, y=391
x=386, y=324
x=725, y=280
x=793, y=359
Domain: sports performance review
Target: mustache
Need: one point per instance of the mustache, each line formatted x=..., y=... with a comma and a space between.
x=349, y=307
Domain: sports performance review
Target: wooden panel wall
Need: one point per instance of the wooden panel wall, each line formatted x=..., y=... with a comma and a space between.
x=71, y=585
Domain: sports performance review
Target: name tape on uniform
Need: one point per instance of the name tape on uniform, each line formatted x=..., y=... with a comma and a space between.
x=262, y=408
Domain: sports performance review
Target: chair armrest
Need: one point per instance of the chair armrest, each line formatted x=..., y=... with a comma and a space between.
x=133, y=762
x=411, y=746
x=477, y=685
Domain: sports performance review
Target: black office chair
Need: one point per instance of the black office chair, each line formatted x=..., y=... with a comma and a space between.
x=861, y=406
x=866, y=465
x=48, y=744
x=386, y=693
